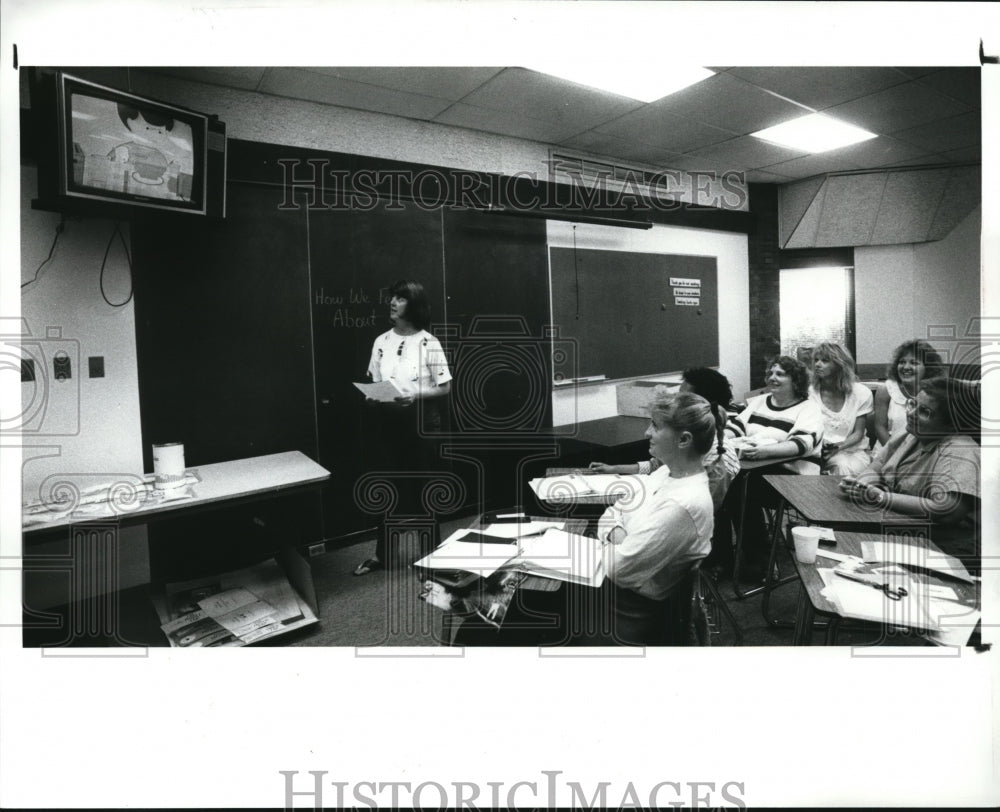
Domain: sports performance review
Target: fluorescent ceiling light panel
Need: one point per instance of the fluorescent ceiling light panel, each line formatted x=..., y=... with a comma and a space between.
x=814, y=133
x=625, y=79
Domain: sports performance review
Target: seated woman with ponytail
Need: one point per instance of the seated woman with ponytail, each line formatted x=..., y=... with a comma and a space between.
x=721, y=462
x=652, y=544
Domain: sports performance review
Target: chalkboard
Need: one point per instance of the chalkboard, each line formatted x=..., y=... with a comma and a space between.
x=623, y=315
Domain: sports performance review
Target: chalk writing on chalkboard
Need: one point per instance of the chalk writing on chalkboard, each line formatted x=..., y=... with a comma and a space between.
x=354, y=307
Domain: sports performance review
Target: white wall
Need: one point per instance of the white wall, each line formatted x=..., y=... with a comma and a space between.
x=83, y=431
x=920, y=290
x=593, y=401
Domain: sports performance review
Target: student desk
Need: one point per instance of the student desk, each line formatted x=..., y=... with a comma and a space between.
x=818, y=500
x=812, y=601
x=221, y=485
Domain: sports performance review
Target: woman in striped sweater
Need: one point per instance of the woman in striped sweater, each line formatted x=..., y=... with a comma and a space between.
x=783, y=427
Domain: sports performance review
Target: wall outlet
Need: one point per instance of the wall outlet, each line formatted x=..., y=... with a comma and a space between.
x=317, y=549
x=62, y=368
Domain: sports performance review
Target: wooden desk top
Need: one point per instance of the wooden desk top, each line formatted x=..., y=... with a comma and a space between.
x=221, y=481
x=819, y=500
x=850, y=544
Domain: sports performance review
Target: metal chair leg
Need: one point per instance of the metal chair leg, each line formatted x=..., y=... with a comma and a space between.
x=720, y=602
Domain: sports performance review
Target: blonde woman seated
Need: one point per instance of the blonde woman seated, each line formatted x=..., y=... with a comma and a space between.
x=845, y=404
x=652, y=545
x=721, y=462
x=912, y=362
x=930, y=470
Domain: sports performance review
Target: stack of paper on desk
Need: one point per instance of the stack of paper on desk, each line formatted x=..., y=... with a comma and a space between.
x=864, y=602
x=914, y=554
x=570, y=486
x=471, y=551
x=562, y=556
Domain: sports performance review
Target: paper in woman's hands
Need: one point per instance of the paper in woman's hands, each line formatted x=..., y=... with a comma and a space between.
x=383, y=391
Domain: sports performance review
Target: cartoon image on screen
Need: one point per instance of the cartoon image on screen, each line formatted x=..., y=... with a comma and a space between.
x=131, y=150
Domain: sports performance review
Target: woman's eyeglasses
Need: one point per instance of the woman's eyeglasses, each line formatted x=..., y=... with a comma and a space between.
x=922, y=411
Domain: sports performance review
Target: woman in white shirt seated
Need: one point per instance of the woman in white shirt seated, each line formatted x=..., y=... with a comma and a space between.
x=721, y=462
x=912, y=362
x=650, y=546
x=845, y=405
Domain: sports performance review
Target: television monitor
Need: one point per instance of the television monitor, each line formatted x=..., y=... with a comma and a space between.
x=112, y=149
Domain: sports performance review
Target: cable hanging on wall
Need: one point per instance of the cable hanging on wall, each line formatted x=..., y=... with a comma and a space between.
x=60, y=228
x=128, y=258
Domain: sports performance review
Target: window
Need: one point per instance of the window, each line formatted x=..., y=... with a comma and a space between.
x=816, y=304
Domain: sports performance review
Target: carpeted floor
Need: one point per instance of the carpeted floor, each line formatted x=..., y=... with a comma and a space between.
x=383, y=608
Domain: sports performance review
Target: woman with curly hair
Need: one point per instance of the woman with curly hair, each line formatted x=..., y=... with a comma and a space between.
x=912, y=362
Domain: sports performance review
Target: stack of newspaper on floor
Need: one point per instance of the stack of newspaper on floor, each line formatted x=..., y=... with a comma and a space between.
x=232, y=609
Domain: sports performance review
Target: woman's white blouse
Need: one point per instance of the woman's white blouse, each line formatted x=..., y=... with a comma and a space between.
x=415, y=363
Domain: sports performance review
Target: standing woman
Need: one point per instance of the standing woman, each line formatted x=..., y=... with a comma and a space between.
x=403, y=439
x=845, y=404
x=912, y=362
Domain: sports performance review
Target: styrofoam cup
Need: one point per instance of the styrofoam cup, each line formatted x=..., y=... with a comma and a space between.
x=806, y=541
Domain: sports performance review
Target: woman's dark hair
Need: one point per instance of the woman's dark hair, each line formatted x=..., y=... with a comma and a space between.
x=923, y=352
x=944, y=392
x=686, y=411
x=796, y=370
x=710, y=384
x=418, y=309
x=126, y=112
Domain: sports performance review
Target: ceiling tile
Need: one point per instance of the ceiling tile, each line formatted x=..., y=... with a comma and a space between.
x=302, y=84
x=915, y=72
x=965, y=154
x=961, y=84
x=745, y=152
x=654, y=125
x=477, y=118
x=951, y=133
x=824, y=87
x=440, y=82
x=729, y=103
x=897, y=108
x=515, y=90
x=879, y=152
x=241, y=78
x=818, y=164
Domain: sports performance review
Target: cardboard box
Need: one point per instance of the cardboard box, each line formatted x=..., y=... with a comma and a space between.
x=285, y=601
x=635, y=397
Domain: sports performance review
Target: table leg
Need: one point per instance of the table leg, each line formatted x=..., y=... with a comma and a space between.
x=769, y=583
x=743, y=479
x=803, y=619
